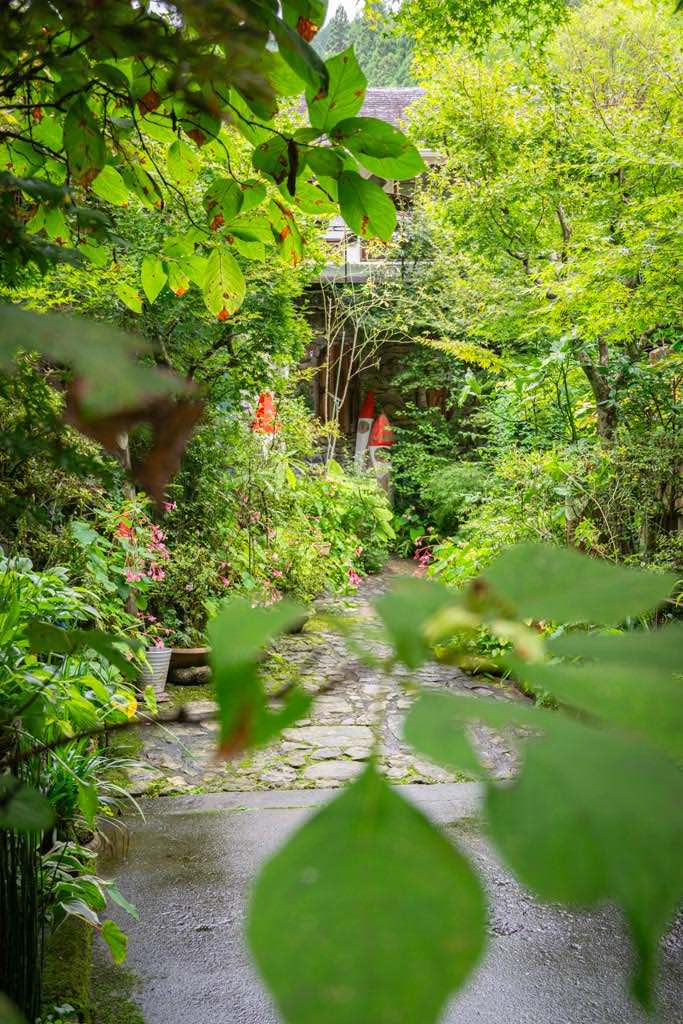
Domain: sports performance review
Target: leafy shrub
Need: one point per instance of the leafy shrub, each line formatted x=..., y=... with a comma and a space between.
x=452, y=492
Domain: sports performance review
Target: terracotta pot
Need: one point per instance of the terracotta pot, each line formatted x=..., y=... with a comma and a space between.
x=189, y=657
x=159, y=659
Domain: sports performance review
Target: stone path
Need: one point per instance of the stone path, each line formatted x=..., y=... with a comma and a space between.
x=329, y=748
x=189, y=867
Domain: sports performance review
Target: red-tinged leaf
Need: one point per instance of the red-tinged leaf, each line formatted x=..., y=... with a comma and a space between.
x=171, y=421
x=149, y=102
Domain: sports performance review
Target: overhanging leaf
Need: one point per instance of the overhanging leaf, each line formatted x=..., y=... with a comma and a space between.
x=592, y=816
x=345, y=92
x=183, y=162
x=22, y=807
x=224, y=286
x=152, y=276
x=237, y=636
x=380, y=147
x=83, y=142
x=405, y=610
x=365, y=207
x=389, y=915
x=115, y=939
x=540, y=581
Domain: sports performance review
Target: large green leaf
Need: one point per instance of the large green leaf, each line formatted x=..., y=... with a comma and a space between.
x=592, y=816
x=641, y=700
x=83, y=142
x=115, y=939
x=345, y=93
x=224, y=285
x=405, y=610
x=647, y=649
x=301, y=57
x=390, y=918
x=152, y=276
x=365, y=207
x=46, y=638
x=223, y=200
x=380, y=147
x=22, y=807
x=539, y=581
x=183, y=162
x=103, y=358
x=110, y=186
x=237, y=636
x=274, y=156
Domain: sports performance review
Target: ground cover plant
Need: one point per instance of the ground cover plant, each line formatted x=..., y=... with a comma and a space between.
x=165, y=174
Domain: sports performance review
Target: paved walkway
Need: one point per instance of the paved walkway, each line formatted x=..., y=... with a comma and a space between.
x=189, y=866
x=329, y=748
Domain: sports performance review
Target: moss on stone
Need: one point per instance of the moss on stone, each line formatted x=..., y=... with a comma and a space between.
x=187, y=694
x=111, y=993
x=67, y=967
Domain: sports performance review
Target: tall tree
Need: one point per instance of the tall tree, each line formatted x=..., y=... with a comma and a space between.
x=338, y=37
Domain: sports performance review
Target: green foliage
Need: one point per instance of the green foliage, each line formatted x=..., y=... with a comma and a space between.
x=607, y=787
x=383, y=50
x=357, y=872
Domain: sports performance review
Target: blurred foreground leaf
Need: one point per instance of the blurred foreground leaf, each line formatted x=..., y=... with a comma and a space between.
x=390, y=918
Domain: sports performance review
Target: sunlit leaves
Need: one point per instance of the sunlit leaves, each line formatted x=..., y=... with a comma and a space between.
x=542, y=582
x=273, y=157
x=129, y=296
x=110, y=186
x=183, y=162
x=152, y=276
x=237, y=636
x=389, y=915
x=83, y=141
x=380, y=147
x=365, y=207
x=224, y=286
x=222, y=201
x=345, y=94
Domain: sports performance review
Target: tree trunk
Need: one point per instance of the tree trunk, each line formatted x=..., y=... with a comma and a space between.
x=597, y=374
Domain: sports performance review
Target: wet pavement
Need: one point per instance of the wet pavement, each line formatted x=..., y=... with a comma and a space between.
x=329, y=748
x=189, y=866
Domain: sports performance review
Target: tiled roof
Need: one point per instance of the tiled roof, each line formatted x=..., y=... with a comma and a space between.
x=390, y=103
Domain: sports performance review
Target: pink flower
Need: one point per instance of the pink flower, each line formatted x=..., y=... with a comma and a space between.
x=277, y=573
x=158, y=642
x=150, y=618
x=169, y=506
x=354, y=578
x=133, y=577
x=156, y=572
x=224, y=580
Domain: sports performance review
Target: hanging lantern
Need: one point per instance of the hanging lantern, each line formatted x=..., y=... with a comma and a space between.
x=365, y=418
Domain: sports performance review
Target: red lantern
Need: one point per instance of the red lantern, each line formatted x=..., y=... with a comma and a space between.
x=265, y=420
x=382, y=433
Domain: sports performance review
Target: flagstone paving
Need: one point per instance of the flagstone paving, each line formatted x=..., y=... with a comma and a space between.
x=329, y=748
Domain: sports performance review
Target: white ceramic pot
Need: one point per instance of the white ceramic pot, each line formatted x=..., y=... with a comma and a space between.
x=159, y=658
